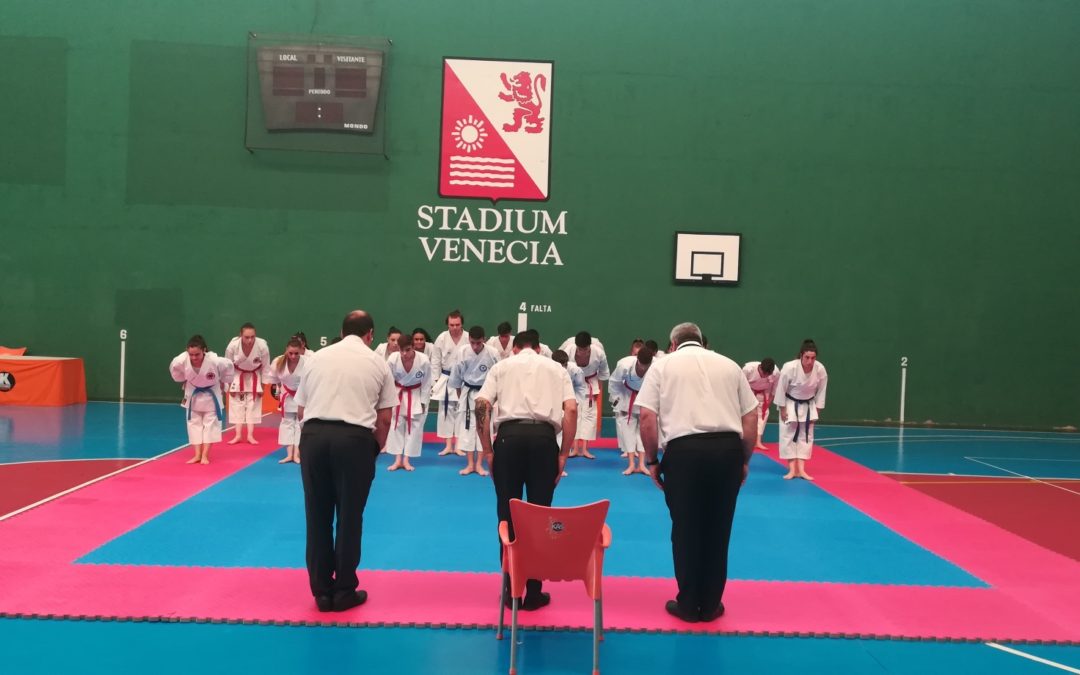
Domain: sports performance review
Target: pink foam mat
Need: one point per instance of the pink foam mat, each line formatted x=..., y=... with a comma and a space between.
x=1034, y=596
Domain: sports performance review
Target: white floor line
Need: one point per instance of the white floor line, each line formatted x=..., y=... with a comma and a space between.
x=1027, y=459
x=975, y=475
x=108, y=475
x=881, y=440
x=80, y=459
x=87, y=483
x=1037, y=480
x=1032, y=657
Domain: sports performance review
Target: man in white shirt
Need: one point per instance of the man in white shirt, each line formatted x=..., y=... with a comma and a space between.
x=534, y=399
x=345, y=399
x=699, y=405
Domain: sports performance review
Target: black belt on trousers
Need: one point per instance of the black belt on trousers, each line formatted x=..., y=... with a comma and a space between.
x=337, y=423
x=535, y=427
x=674, y=443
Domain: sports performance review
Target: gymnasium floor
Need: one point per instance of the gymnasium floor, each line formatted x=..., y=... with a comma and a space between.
x=927, y=551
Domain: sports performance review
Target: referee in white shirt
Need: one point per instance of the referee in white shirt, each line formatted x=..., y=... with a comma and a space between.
x=535, y=400
x=345, y=399
x=700, y=404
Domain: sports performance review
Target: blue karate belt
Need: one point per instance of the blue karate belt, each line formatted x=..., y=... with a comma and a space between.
x=473, y=388
x=798, y=424
x=205, y=390
x=446, y=395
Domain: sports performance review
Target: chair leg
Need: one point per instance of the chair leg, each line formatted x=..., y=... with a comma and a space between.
x=502, y=608
x=598, y=631
x=513, y=637
x=600, y=613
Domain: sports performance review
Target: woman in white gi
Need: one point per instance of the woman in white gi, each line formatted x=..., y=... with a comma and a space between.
x=285, y=378
x=204, y=376
x=623, y=388
x=474, y=360
x=762, y=376
x=577, y=380
x=250, y=356
x=800, y=394
x=413, y=376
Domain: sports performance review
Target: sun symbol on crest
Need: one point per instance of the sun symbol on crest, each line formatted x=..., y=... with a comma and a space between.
x=469, y=134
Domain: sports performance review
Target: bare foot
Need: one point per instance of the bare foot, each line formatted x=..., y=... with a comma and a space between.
x=623, y=455
x=466, y=471
x=629, y=470
x=643, y=470
x=296, y=460
x=789, y=475
x=459, y=453
x=588, y=455
x=410, y=467
x=193, y=460
x=393, y=467
x=445, y=451
x=252, y=441
x=482, y=471
x=564, y=474
x=805, y=476
x=573, y=453
x=285, y=461
x=234, y=441
x=759, y=446
x=204, y=460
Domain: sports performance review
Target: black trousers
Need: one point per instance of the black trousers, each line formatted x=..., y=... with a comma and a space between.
x=337, y=466
x=702, y=476
x=526, y=463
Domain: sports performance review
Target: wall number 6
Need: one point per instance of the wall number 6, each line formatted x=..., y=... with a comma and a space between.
x=123, y=334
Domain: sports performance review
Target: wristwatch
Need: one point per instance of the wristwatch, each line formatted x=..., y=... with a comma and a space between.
x=652, y=462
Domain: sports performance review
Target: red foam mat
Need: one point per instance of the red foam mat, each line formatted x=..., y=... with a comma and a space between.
x=1034, y=596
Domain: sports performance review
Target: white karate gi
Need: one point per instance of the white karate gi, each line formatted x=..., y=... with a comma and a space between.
x=764, y=389
x=202, y=398
x=503, y=352
x=414, y=393
x=252, y=370
x=468, y=376
x=623, y=387
x=287, y=383
x=444, y=353
x=594, y=372
x=801, y=394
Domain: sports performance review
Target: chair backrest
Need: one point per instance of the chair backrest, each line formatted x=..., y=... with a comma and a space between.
x=558, y=543
x=12, y=351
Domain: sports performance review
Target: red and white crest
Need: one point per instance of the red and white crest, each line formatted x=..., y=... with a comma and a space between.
x=496, y=129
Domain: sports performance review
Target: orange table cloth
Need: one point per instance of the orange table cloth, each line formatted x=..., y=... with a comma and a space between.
x=41, y=380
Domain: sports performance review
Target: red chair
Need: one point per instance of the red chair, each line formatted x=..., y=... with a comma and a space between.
x=12, y=351
x=554, y=544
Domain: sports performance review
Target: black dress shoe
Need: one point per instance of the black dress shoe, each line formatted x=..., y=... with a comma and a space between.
x=324, y=602
x=535, y=602
x=353, y=599
x=713, y=615
x=674, y=610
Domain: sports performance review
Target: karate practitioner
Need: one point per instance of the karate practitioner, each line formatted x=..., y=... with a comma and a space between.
x=762, y=376
x=204, y=375
x=250, y=356
x=474, y=361
x=577, y=381
x=800, y=395
x=503, y=342
x=443, y=355
x=391, y=345
x=413, y=376
x=420, y=341
x=284, y=378
x=588, y=355
x=623, y=388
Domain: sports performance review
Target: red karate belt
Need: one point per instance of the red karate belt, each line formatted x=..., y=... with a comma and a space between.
x=254, y=380
x=633, y=395
x=401, y=391
x=588, y=380
x=285, y=393
x=765, y=403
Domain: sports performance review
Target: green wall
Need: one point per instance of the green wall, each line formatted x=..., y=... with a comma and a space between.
x=906, y=176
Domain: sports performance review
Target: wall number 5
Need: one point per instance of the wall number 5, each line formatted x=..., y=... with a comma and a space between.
x=322, y=341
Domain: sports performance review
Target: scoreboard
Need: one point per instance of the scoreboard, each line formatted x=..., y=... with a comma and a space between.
x=320, y=87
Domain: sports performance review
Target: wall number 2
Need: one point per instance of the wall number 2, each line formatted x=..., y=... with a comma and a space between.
x=903, y=362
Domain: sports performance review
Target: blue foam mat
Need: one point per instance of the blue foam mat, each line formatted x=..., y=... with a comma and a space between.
x=433, y=519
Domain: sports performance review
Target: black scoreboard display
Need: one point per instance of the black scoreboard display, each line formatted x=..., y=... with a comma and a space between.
x=320, y=87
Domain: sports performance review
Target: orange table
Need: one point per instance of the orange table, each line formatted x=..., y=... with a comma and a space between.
x=41, y=380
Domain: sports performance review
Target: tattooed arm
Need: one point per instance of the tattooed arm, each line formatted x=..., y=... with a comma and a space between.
x=483, y=430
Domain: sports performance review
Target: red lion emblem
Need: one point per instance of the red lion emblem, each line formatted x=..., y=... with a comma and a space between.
x=520, y=91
